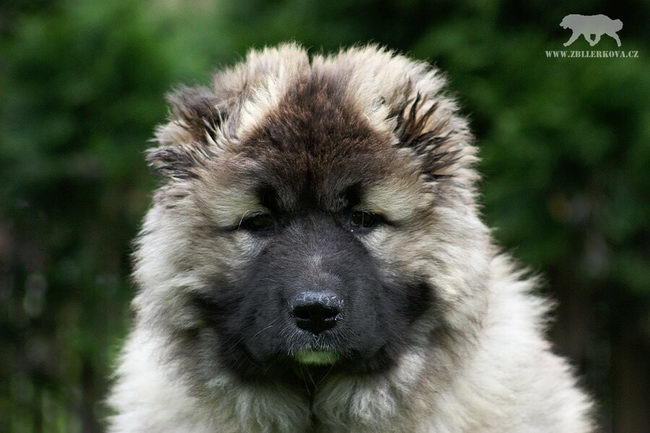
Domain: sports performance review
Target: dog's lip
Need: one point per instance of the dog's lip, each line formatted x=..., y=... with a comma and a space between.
x=316, y=357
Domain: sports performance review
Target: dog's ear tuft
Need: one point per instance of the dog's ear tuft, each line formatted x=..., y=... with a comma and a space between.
x=197, y=110
x=191, y=135
x=173, y=162
x=423, y=125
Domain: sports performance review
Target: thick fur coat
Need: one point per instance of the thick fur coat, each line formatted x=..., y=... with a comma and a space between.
x=445, y=335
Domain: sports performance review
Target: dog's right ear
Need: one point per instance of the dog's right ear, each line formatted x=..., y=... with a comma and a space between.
x=204, y=121
x=192, y=134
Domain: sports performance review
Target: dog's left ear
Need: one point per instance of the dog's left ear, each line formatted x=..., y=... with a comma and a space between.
x=429, y=125
x=409, y=98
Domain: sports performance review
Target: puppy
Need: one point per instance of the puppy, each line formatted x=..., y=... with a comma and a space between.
x=314, y=261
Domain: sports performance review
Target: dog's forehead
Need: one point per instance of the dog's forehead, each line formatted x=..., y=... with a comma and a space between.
x=316, y=149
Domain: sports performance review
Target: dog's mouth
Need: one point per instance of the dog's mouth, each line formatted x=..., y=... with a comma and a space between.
x=317, y=351
x=317, y=357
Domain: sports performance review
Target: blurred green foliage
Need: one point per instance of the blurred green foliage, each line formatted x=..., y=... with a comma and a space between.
x=565, y=146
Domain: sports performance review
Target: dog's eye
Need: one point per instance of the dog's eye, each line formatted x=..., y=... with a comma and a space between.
x=361, y=219
x=258, y=221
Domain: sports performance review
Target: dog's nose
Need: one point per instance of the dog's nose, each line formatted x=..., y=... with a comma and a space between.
x=316, y=311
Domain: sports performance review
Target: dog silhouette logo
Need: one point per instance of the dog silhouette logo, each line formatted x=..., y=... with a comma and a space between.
x=587, y=25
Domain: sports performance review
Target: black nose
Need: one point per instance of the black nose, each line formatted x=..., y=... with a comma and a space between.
x=316, y=311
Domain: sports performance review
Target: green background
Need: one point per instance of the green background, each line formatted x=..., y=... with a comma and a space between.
x=565, y=146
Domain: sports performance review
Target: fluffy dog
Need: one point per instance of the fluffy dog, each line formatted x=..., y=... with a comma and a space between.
x=315, y=261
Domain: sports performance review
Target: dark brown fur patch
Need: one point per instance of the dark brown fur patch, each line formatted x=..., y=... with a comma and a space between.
x=315, y=142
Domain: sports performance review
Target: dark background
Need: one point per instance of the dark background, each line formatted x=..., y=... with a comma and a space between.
x=565, y=146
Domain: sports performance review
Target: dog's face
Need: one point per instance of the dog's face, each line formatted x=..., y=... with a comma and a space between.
x=314, y=226
x=314, y=283
x=565, y=22
x=570, y=21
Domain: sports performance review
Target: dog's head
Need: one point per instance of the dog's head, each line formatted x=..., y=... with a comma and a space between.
x=316, y=212
x=570, y=21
